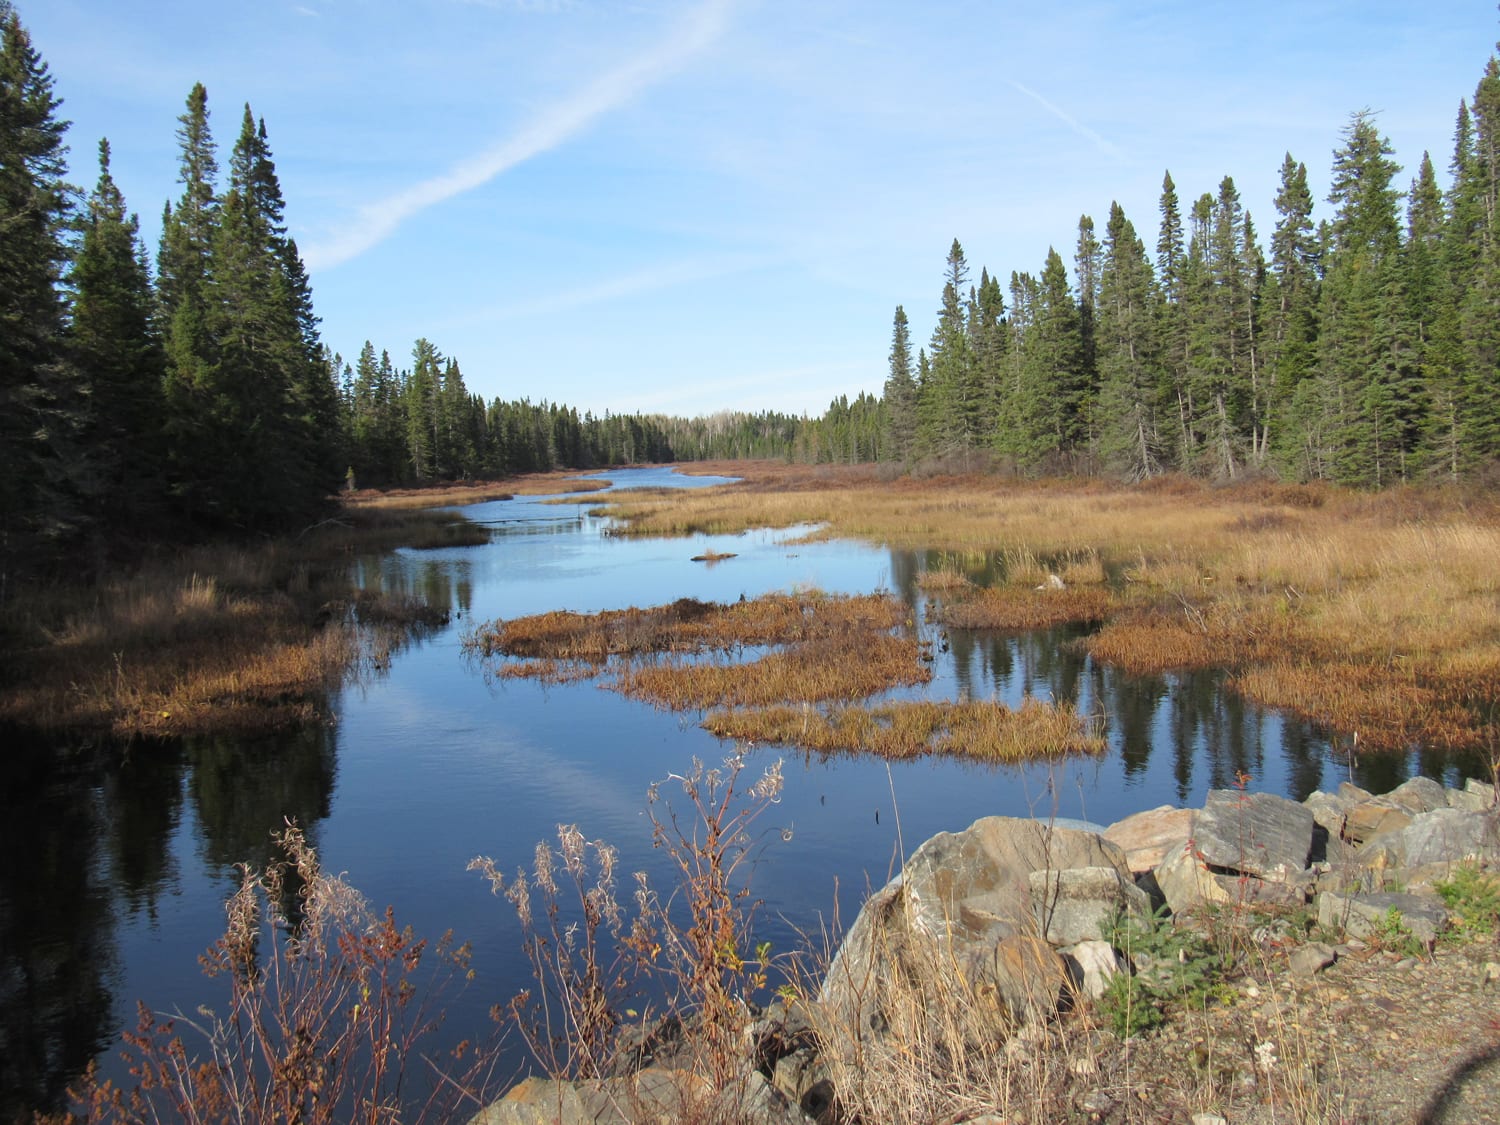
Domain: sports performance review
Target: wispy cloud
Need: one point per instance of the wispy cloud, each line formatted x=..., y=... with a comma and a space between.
x=1067, y=119
x=651, y=279
x=378, y=219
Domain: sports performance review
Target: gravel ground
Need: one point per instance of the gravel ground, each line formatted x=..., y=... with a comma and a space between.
x=1374, y=1038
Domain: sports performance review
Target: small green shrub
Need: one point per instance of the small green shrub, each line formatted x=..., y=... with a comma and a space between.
x=1473, y=901
x=1175, y=966
x=1392, y=934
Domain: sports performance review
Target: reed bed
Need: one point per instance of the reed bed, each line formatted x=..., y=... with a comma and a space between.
x=687, y=626
x=456, y=493
x=982, y=730
x=853, y=666
x=1377, y=613
x=1013, y=607
x=217, y=638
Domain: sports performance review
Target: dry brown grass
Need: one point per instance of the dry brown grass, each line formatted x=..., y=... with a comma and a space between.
x=453, y=493
x=214, y=639
x=687, y=654
x=1020, y=607
x=986, y=731
x=687, y=625
x=1376, y=613
x=853, y=666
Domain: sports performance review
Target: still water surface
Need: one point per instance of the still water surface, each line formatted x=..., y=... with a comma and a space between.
x=117, y=862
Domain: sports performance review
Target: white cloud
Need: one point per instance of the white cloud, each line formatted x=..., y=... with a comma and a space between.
x=1068, y=119
x=379, y=219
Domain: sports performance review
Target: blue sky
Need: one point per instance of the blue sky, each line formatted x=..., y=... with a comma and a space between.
x=692, y=205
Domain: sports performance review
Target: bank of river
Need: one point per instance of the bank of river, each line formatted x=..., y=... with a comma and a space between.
x=120, y=858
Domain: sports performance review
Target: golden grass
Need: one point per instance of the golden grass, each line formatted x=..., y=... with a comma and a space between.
x=1376, y=613
x=453, y=493
x=687, y=625
x=215, y=639
x=1012, y=607
x=985, y=731
x=855, y=666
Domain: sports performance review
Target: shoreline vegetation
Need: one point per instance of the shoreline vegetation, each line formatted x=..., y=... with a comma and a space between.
x=1376, y=614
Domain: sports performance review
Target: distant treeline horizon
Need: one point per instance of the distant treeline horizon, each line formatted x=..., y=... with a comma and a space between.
x=189, y=392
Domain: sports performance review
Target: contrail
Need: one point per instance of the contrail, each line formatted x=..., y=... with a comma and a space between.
x=377, y=220
x=1067, y=119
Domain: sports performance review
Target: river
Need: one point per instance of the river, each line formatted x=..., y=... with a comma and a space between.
x=118, y=860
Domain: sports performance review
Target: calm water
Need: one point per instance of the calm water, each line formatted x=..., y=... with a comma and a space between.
x=117, y=860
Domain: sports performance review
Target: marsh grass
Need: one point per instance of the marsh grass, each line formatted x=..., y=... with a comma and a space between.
x=221, y=638
x=328, y=1016
x=1369, y=613
x=456, y=493
x=985, y=731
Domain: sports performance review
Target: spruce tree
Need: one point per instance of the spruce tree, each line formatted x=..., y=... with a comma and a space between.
x=119, y=358
x=1291, y=318
x=1128, y=354
x=901, y=390
x=39, y=405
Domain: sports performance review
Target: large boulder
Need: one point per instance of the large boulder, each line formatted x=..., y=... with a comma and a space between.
x=1078, y=903
x=1147, y=837
x=1254, y=833
x=939, y=924
x=1441, y=836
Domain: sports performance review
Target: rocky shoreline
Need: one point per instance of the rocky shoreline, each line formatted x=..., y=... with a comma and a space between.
x=1254, y=960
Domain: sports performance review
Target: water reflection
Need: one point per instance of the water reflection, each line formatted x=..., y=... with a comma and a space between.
x=119, y=858
x=91, y=837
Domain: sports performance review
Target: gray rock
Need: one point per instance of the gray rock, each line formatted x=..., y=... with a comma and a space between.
x=1247, y=890
x=1419, y=795
x=536, y=1101
x=1312, y=958
x=956, y=899
x=1374, y=818
x=1077, y=903
x=752, y=1101
x=1094, y=963
x=1328, y=811
x=1186, y=882
x=1148, y=836
x=1257, y=833
x=1024, y=977
x=1482, y=789
x=1353, y=794
x=1364, y=915
x=1444, y=835
x=1467, y=800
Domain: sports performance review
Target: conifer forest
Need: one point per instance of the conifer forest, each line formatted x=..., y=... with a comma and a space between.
x=186, y=387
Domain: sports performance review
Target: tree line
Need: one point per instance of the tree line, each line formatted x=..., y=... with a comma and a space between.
x=191, y=393
x=1362, y=348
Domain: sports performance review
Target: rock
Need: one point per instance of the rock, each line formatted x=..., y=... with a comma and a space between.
x=1353, y=794
x=1482, y=789
x=1025, y=977
x=750, y=1101
x=536, y=1101
x=1364, y=915
x=1467, y=801
x=1185, y=882
x=1444, y=835
x=1148, y=836
x=1418, y=795
x=1373, y=818
x=1489, y=974
x=1328, y=811
x=1077, y=903
x=1247, y=890
x=1094, y=963
x=1209, y=1119
x=1257, y=833
x=1311, y=959
x=956, y=899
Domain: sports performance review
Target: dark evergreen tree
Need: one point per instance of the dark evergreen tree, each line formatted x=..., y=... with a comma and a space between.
x=1291, y=319
x=901, y=390
x=39, y=406
x=1128, y=354
x=119, y=360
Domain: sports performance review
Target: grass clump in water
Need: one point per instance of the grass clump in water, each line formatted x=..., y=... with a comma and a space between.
x=982, y=730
